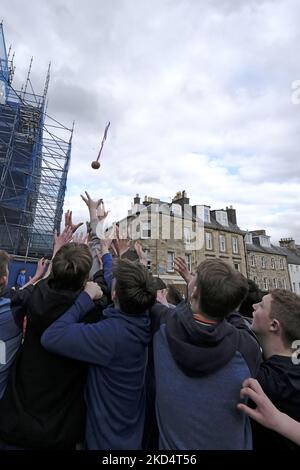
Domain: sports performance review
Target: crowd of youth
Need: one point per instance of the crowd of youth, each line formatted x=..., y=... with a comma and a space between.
x=112, y=358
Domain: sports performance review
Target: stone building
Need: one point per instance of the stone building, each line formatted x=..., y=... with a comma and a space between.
x=292, y=252
x=169, y=229
x=267, y=264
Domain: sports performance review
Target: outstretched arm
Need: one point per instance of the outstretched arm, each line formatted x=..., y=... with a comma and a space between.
x=266, y=413
x=181, y=267
x=39, y=273
x=93, y=342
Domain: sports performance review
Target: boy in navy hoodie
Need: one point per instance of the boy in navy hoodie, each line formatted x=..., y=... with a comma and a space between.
x=116, y=350
x=202, y=354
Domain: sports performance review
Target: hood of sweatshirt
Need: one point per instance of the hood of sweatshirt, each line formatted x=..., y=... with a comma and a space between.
x=137, y=326
x=47, y=303
x=198, y=348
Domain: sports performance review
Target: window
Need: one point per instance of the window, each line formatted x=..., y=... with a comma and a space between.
x=255, y=279
x=281, y=263
x=294, y=287
x=188, y=259
x=146, y=230
x=279, y=284
x=206, y=214
x=235, y=245
x=208, y=241
x=265, y=283
x=264, y=240
x=221, y=218
x=170, y=261
x=187, y=235
x=222, y=243
x=237, y=266
x=272, y=263
x=248, y=238
x=297, y=269
x=263, y=262
x=253, y=261
x=274, y=283
x=283, y=283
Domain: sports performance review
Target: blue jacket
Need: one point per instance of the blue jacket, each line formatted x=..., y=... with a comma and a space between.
x=116, y=350
x=199, y=370
x=21, y=280
x=12, y=310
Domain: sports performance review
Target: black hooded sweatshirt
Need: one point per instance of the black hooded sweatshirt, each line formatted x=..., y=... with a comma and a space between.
x=43, y=405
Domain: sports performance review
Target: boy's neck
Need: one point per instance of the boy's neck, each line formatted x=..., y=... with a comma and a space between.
x=204, y=319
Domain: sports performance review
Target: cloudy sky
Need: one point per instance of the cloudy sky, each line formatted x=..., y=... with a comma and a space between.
x=199, y=95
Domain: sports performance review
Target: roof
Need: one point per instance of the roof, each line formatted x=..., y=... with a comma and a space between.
x=292, y=256
x=190, y=215
x=230, y=228
x=272, y=250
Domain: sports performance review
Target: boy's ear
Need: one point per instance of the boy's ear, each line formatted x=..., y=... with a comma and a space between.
x=194, y=294
x=275, y=325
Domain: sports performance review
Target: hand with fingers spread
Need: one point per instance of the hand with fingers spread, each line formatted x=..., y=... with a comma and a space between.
x=92, y=205
x=266, y=413
x=39, y=273
x=63, y=239
x=101, y=212
x=120, y=245
x=81, y=238
x=69, y=222
x=141, y=253
x=41, y=268
x=93, y=290
x=180, y=265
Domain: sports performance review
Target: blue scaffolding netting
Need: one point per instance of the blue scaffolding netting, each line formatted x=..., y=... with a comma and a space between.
x=35, y=152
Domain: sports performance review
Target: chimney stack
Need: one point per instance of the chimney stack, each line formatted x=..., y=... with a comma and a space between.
x=287, y=243
x=137, y=199
x=231, y=214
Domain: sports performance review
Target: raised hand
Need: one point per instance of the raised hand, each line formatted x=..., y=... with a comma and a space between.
x=63, y=239
x=40, y=270
x=180, y=265
x=101, y=213
x=141, y=253
x=69, y=222
x=81, y=238
x=120, y=245
x=92, y=205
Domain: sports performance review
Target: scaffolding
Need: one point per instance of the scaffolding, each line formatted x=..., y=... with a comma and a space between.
x=35, y=152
